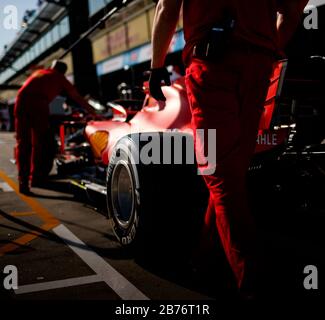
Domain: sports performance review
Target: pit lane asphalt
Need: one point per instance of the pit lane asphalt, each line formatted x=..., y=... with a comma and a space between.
x=63, y=249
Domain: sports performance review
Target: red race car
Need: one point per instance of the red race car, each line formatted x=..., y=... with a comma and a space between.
x=136, y=159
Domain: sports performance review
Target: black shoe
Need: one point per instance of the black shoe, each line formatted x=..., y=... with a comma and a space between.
x=24, y=188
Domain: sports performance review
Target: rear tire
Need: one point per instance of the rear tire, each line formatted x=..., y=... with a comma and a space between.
x=122, y=196
x=155, y=208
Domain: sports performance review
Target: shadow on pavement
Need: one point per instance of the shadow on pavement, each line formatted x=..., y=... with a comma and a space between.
x=25, y=227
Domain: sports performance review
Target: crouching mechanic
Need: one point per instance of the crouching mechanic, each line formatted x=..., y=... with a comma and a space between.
x=32, y=121
x=230, y=50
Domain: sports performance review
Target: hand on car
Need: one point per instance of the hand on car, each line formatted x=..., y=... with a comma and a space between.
x=157, y=76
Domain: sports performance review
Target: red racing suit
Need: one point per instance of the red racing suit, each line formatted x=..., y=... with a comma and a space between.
x=32, y=120
x=228, y=95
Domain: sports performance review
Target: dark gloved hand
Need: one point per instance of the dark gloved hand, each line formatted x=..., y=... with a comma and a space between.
x=156, y=77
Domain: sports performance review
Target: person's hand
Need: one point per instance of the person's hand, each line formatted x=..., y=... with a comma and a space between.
x=156, y=77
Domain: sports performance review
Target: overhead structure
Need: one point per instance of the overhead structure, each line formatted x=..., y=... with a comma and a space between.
x=113, y=7
x=49, y=12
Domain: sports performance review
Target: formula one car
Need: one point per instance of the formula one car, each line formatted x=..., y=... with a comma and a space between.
x=135, y=161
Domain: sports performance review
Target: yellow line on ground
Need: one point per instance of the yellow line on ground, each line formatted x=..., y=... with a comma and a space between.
x=24, y=240
x=22, y=214
x=50, y=221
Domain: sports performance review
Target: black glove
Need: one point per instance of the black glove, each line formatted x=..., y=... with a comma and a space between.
x=156, y=77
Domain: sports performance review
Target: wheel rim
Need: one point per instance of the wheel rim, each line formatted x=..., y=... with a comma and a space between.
x=122, y=193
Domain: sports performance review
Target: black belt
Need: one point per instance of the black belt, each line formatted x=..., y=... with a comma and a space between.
x=203, y=50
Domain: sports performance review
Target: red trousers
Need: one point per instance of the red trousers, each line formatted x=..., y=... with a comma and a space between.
x=228, y=96
x=32, y=125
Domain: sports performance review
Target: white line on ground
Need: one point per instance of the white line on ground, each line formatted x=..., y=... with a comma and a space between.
x=104, y=271
x=37, y=287
x=117, y=282
x=5, y=187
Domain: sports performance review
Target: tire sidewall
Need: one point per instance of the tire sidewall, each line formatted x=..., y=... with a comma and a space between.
x=124, y=155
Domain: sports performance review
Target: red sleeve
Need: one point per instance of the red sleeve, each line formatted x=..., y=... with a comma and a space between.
x=72, y=92
x=69, y=88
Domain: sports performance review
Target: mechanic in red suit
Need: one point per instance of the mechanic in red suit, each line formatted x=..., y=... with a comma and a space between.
x=230, y=49
x=32, y=121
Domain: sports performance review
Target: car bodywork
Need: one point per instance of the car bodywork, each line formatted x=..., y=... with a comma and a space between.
x=129, y=189
x=175, y=115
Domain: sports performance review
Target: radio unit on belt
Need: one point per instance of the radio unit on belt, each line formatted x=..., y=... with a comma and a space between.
x=216, y=43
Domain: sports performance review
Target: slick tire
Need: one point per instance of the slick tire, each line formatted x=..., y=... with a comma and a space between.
x=157, y=208
x=123, y=200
